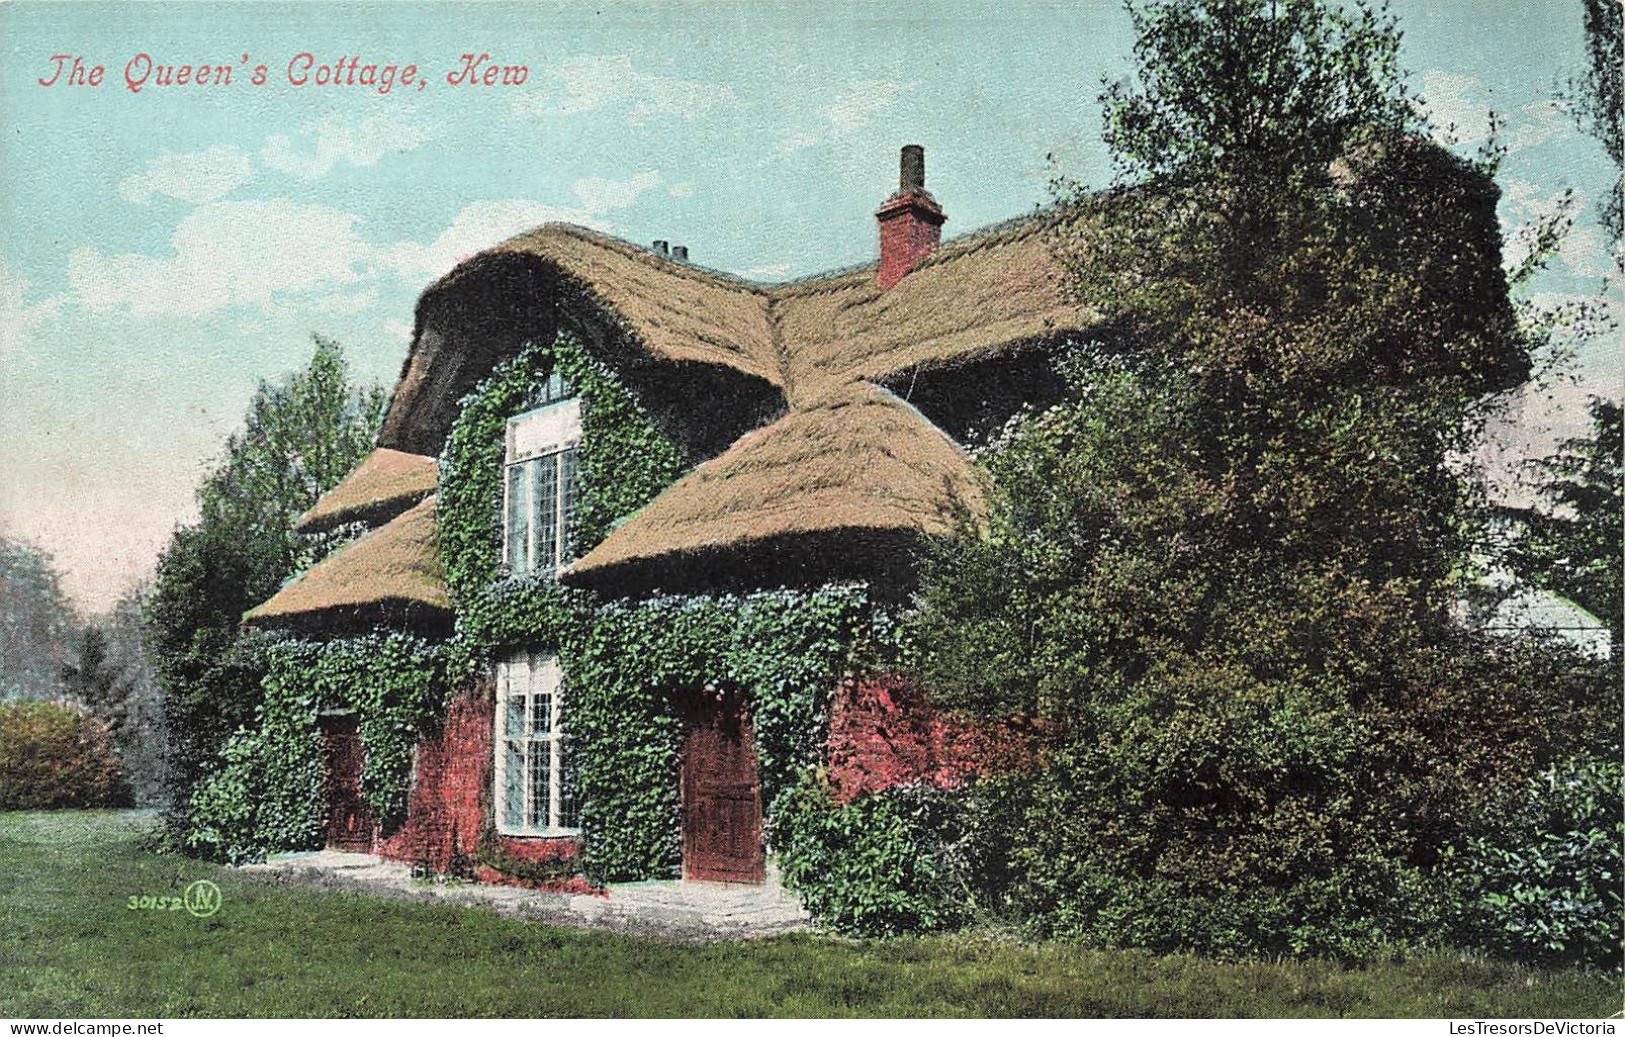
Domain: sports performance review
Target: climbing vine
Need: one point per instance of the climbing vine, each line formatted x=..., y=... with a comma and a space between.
x=267, y=793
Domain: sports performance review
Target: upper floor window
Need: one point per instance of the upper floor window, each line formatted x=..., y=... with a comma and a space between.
x=539, y=482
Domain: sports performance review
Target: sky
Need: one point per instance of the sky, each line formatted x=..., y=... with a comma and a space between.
x=165, y=248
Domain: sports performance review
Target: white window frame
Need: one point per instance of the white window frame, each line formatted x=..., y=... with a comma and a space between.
x=523, y=676
x=550, y=431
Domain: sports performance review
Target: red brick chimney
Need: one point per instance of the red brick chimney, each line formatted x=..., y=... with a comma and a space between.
x=910, y=221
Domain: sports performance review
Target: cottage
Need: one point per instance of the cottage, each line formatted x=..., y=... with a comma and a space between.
x=804, y=438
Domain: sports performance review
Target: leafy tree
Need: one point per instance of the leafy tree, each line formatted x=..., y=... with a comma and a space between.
x=1573, y=545
x=98, y=684
x=1598, y=99
x=36, y=623
x=1223, y=569
x=299, y=439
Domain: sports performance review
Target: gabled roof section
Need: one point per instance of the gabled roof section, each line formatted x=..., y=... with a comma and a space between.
x=392, y=573
x=859, y=462
x=383, y=485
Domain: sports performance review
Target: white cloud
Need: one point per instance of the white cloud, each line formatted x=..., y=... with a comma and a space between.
x=1451, y=103
x=398, y=329
x=19, y=318
x=855, y=108
x=602, y=81
x=769, y=270
x=196, y=177
x=682, y=190
x=599, y=195
x=479, y=225
x=333, y=139
x=225, y=254
x=1538, y=122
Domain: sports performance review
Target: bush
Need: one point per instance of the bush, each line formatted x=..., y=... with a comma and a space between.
x=883, y=864
x=54, y=757
x=1543, y=882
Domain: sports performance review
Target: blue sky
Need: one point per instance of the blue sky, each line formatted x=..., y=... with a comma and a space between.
x=162, y=251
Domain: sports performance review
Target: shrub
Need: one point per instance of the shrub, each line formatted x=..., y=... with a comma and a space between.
x=54, y=757
x=1543, y=881
x=884, y=864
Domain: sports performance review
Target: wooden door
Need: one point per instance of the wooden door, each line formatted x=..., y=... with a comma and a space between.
x=349, y=820
x=722, y=802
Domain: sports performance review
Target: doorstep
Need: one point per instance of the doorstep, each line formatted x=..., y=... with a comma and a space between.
x=690, y=911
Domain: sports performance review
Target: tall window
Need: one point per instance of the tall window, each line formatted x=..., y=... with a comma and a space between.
x=539, y=483
x=535, y=786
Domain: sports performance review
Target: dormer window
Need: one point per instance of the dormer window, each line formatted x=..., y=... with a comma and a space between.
x=539, y=482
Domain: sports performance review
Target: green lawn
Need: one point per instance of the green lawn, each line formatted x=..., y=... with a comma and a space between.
x=71, y=946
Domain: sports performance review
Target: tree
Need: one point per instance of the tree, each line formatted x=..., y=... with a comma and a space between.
x=1598, y=99
x=1573, y=545
x=299, y=439
x=1222, y=570
x=36, y=623
x=97, y=684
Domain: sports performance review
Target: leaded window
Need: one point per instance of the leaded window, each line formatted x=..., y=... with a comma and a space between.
x=535, y=786
x=539, y=483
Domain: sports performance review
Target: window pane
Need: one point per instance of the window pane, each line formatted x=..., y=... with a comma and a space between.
x=567, y=486
x=544, y=495
x=515, y=548
x=538, y=786
x=513, y=720
x=513, y=786
x=541, y=715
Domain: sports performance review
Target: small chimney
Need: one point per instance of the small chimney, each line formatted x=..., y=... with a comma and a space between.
x=680, y=253
x=660, y=247
x=910, y=221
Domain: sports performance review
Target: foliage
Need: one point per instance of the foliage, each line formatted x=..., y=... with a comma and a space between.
x=36, y=623
x=300, y=438
x=54, y=756
x=1544, y=882
x=1224, y=567
x=266, y=791
x=292, y=952
x=1598, y=99
x=884, y=864
x=624, y=461
x=1225, y=83
x=97, y=684
x=1573, y=545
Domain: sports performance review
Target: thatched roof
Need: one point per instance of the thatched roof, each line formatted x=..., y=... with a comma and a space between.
x=859, y=461
x=390, y=574
x=804, y=461
x=383, y=485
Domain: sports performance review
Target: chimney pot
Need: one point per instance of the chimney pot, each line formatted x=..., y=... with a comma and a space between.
x=680, y=253
x=911, y=171
x=660, y=247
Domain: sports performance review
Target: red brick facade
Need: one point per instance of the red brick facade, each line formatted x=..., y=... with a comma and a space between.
x=884, y=732
x=452, y=794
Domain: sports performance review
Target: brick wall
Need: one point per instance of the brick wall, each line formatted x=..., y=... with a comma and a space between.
x=452, y=795
x=885, y=732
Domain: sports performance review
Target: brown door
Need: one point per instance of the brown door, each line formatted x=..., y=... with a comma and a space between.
x=349, y=821
x=722, y=804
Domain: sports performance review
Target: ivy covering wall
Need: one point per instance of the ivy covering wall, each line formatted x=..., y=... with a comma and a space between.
x=626, y=663
x=266, y=792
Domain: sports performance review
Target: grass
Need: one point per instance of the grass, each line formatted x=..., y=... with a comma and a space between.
x=71, y=947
